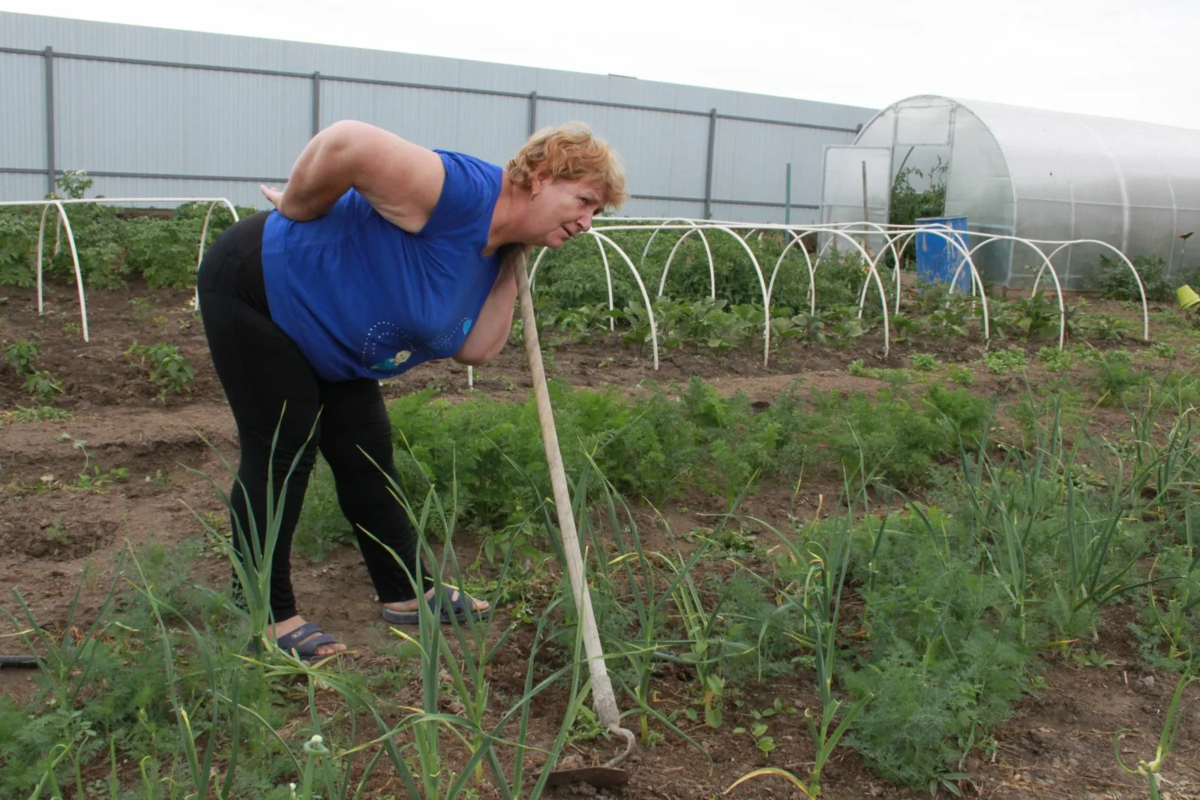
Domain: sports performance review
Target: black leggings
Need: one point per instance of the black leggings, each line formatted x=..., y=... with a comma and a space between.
x=261, y=370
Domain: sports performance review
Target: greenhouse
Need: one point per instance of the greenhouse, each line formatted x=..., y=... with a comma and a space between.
x=1041, y=175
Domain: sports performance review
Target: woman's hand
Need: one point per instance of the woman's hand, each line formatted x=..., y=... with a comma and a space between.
x=274, y=195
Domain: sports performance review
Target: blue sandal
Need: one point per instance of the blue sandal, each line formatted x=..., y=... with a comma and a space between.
x=443, y=606
x=306, y=651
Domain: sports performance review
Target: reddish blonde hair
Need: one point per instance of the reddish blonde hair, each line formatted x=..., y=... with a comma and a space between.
x=570, y=152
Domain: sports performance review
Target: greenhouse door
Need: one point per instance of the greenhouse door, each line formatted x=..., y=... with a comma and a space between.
x=856, y=180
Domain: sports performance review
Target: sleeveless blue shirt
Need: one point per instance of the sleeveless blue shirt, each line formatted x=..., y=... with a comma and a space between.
x=363, y=298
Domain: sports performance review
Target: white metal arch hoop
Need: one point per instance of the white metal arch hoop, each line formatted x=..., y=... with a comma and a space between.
x=988, y=238
x=762, y=283
x=812, y=273
x=712, y=271
x=602, y=239
x=1136, y=276
x=664, y=223
x=944, y=232
x=204, y=237
x=871, y=272
x=889, y=235
x=607, y=276
x=62, y=215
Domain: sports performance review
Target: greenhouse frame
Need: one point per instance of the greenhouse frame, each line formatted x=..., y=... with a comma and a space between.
x=1046, y=176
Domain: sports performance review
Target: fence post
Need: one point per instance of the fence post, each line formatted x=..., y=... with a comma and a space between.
x=51, y=169
x=787, y=207
x=316, y=103
x=708, y=172
x=532, y=113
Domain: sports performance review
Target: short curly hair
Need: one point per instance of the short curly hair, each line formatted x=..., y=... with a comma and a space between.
x=570, y=152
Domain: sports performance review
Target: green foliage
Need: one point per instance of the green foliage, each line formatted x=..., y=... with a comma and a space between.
x=113, y=244
x=43, y=385
x=894, y=439
x=910, y=204
x=961, y=374
x=22, y=356
x=1117, y=282
x=573, y=278
x=924, y=362
x=1032, y=317
x=927, y=714
x=1053, y=359
x=35, y=414
x=168, y=369
x=18, y=245
x=1115, y=375
x=1003, y=362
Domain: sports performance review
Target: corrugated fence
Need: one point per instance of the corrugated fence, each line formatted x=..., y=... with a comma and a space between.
x=151, y=112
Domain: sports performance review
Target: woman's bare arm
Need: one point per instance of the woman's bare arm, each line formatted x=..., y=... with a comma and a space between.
x=401, y=180
x=490, y=332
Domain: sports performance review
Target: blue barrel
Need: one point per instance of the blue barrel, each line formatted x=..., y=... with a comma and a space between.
x=937, y=258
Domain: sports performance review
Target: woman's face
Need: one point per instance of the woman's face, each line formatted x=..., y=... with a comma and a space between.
x=561, y=210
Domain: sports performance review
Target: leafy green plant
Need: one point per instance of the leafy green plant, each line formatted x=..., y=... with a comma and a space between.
x=18, y=237
x=1116, y=282
x=1032, y=317
x=1163, y=350
x=1053, y=359
x=168, y=368
x=1115, y=375
x=961, y=374
x=826, y=567
x=1003, y=362
x=910, y=203
x=43, y=385
x=22, y=356
x=758, y=734
x=35, y=414
x=924, y=362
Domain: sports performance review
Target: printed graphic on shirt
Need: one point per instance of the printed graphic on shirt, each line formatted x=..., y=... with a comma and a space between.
x=388, y=348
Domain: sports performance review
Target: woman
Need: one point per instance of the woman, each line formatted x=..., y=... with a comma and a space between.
x=380, y=255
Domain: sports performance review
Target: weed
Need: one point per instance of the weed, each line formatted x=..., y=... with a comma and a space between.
x=22, y=356
x=758, y=733
x=1115, y=376
x=35, y=414
x=141, y=308
x=43, y=386
x=924, y=362
x=1003, y=362
x=169, y=370
x=1163, y=350
x=962, y=375
x=1053, y=359
x=1107, y=328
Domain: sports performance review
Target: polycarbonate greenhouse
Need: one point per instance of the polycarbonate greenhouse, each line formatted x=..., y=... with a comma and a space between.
x=1040, y=175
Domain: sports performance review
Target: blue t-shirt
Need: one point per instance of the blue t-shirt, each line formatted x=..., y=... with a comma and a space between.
x=363, y=298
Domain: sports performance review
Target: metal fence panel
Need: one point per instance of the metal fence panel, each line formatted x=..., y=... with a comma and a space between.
x=487, y=127
x=23, y=119
x=129, y=118
x=200, y=115
x=664, y=154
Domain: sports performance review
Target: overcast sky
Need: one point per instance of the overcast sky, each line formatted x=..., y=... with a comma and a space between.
x=1121, y=58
